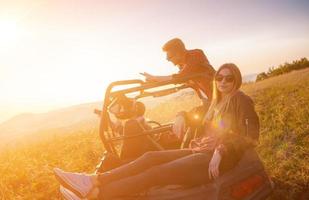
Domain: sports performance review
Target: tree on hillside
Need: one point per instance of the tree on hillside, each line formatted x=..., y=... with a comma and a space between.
x=284, y=68
x=261, y=76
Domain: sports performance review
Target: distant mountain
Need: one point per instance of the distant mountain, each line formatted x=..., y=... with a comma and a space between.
x=65, y=119
x=28, y=123
x=249, y=78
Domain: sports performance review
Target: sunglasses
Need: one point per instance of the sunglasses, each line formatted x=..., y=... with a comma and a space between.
x=228, y=78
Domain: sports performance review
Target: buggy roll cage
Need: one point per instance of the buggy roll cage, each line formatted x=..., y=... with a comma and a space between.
x=107, y=135
x=245, y=178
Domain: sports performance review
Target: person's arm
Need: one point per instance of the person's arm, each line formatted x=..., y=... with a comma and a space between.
x=153, y=78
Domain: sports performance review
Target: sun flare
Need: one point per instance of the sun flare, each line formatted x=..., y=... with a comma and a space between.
x=9, y=32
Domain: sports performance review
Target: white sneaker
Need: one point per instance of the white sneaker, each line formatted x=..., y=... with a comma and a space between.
x=79, y=184
x=68, y=195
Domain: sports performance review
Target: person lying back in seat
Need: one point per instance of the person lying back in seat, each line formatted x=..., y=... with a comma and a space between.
x=231, y=127
x=127, y=120
x=131, y=113
x=134, y=147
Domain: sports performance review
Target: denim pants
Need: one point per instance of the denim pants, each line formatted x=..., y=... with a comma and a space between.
x=157, y=168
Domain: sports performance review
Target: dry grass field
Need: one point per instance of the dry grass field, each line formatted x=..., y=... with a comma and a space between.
x=283, y=106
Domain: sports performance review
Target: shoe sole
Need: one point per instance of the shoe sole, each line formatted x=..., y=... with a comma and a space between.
x=61, y=180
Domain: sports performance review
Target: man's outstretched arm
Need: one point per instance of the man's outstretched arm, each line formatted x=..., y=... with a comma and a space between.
x=153, y=78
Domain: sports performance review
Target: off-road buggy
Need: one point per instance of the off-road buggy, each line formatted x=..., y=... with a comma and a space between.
x=248, y=180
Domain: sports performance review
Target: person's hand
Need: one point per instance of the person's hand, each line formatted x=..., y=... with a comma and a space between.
x=208, y=143
x=148, y=77
x=213, y=169
x=203, y=145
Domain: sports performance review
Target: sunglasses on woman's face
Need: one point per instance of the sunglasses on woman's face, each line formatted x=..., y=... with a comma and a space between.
x=228, y=78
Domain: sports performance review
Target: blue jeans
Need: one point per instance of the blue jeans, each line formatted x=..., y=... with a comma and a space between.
x=157, y=168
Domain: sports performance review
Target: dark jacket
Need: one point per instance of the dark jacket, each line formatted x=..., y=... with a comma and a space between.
x=238, y=130
x=244, y=126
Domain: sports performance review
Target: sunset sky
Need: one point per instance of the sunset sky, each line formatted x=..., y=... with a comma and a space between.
x=56, y=53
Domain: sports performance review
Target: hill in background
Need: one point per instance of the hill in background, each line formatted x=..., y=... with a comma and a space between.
x=249, y=78
x=66, y=118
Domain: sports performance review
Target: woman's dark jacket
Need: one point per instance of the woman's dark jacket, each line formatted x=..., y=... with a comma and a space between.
x=243, y=123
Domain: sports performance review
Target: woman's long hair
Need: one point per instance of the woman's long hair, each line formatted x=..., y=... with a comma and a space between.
x=219, y=105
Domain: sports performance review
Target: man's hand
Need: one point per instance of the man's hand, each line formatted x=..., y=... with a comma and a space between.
x=149, y=77
x=152, y=78
x=213, y=169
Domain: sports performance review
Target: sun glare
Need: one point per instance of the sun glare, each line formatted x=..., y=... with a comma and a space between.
x=9, y=32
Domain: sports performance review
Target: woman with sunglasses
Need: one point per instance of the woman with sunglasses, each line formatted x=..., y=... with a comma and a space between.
x=231, y=127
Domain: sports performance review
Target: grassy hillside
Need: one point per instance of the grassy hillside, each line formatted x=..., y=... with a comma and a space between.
x=283, y=106
x=26, y=170
x=281, y=102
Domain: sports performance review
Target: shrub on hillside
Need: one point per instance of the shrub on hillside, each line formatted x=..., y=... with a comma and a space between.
x=284, y=68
